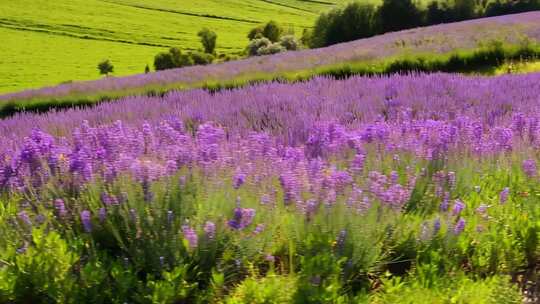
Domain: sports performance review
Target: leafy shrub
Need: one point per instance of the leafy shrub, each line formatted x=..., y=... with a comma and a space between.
x=357, y=20
x=273, y=48
x=201, y=58
x=272, y=31
x=256, y=44
x=41, y=272
x=270, y=289
x=289, y=42
x=396, y=15
x=256, y=33
x=176, y=59
x=105, y=67
x=208, y=40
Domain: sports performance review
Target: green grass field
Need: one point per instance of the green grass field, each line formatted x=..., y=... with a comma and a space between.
x=46, y=42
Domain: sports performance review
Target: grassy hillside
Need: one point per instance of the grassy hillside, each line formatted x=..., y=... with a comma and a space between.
x=46, y=42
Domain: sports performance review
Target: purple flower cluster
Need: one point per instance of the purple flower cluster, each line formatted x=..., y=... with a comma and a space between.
x=242, y=218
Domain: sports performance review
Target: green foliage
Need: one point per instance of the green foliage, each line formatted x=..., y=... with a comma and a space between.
x=289, y=43
x=40, y=273
x=105, y=67
x=208, y=40
x=357, y=20
x=270, y=289
x=172, y=288
x=456, y=288
x=176, y=59
x=272, y=30
x=201, y=58
x=256, y=33
x=256, y=44
x=360, y=19
x=396, y=15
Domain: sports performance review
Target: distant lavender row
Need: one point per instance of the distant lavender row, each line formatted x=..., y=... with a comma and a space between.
x=287, y=126
x=438, y=39
x=290, y=111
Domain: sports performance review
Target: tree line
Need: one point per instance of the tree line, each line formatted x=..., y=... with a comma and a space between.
x=361, y=20
x=354, y=21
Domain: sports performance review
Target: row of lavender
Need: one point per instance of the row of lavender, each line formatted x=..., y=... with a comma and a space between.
x=425, y=115
x=401, y=165
x=434, y=39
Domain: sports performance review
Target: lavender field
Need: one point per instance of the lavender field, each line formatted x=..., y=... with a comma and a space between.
x=419, y=188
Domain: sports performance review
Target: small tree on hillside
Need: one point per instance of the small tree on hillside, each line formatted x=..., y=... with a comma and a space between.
x=256, y=33
x=105, y=67
x=208, y=40
x=272, y=31
x=397, y=15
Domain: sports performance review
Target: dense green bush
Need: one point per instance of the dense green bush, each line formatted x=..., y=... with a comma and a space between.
x=208, y=40
x=105, y=67
x=273, y=31
x=396, y=15
x=355, y=21
x=359, y=20
x=176, y=59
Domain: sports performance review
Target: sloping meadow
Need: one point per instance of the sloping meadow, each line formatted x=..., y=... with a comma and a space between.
x=378, y=190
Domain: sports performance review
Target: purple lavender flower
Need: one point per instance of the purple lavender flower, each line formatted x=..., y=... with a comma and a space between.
x=238, y=179
x=482, y=209
x=270, y=258
x=458, y=207
x=86, y=220
x=503, y=196
x=445, y=202
x=23, y=216
x=452, y=180
x=210, y=230
x=459, y=227
x=436, y=225
x=102, y=214
x=191, y=236
x=259, y=229
x=529, y=167
x=265, y=199
x=242, y=218
x=60, y=207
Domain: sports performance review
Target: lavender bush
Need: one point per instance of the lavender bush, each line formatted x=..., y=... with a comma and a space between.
x=360, y=190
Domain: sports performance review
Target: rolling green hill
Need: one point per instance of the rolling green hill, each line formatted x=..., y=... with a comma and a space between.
x=46, y=42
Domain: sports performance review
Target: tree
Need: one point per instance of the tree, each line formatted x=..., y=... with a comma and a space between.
x=105, y=67
x=146, y=69
x=272, y=31
x=163, y=61
x=256, y=44
x=464, y=9
x=289, y=43
x=172, y=59
x=200, y=58
x=395, y=15
x=208, y=40
x=436, y=14
x=355, y=21
x=256, y=33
